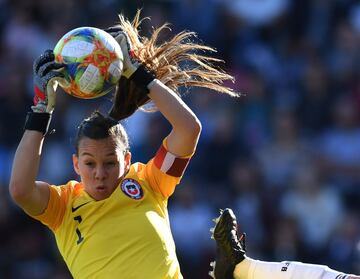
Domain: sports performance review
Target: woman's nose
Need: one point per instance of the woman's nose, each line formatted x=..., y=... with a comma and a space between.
x=100, y=173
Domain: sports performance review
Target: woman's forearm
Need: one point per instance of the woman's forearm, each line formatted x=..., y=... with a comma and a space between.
x=186, y=127
x=174, y=109
x=26, y=164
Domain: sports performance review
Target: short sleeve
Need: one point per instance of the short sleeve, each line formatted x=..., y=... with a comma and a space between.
x=165, y=171
x=55, y=210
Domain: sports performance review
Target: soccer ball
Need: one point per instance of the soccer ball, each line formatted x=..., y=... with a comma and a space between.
x=93, y=62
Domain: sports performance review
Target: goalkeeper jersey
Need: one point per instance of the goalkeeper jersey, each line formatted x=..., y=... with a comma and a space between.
x=126, y=235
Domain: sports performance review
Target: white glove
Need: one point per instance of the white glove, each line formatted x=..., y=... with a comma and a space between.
x=130, y=63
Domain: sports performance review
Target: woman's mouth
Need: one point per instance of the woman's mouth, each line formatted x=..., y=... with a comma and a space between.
x=101, y=188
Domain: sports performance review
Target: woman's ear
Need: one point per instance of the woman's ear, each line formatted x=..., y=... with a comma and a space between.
x=75, y=159
x=127, y=161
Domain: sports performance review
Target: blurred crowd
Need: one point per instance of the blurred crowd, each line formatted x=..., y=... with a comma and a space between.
x=285, y=156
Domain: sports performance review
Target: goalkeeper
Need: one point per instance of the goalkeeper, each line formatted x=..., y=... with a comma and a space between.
x=231, y=261
x=114, y=222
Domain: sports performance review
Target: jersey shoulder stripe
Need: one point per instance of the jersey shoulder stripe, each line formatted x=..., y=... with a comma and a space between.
x=169, y=163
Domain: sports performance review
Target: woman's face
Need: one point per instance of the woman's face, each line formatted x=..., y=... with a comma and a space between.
x=100, y=165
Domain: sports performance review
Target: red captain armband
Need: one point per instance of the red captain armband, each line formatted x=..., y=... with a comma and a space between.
x=170, y=164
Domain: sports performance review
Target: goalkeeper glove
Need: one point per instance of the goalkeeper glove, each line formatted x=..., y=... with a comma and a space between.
x=133, y=88
x=47, y=74
x=133, y=69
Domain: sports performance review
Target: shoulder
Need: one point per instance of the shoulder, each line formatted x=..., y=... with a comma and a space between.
x=136, y=167
x=137, y=171
x=71, y=189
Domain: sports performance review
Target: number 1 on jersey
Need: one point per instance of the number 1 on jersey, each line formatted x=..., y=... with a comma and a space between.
x=80, y=237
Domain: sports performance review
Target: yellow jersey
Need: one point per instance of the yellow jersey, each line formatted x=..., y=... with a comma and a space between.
x=126, y=235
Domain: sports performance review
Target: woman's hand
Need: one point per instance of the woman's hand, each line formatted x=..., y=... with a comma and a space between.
x=130, y=63
x=47, y=74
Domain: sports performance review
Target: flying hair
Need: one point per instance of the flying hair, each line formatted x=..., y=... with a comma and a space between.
x=178, y=62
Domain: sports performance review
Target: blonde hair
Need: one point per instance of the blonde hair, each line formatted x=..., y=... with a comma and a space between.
x=177, y=62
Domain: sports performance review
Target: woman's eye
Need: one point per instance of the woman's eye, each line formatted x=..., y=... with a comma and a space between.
x=90, y=164
x=111, y=163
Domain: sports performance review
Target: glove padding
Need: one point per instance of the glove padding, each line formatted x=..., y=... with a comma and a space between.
x=133, y=69
x=130, y=63
x=47, y=74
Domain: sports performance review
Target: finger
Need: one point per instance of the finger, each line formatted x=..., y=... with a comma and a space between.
x=113, y=30
x=124, y=36
x=118, y=36
x=51, y=101
x=54, y=75
x=63, y=82
x=124, y=42
x=51, y=88
x=49, y=66
x=46, y=57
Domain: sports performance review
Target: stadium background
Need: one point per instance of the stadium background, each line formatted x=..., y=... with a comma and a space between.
x=285, y=157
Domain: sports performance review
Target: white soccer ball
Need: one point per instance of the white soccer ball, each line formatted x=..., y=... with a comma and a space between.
x=93, y=62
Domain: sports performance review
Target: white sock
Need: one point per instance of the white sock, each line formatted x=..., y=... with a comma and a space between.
x=253, y=269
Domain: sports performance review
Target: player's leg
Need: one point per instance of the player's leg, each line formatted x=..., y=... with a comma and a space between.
x=231, y=261
x=253, y=269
